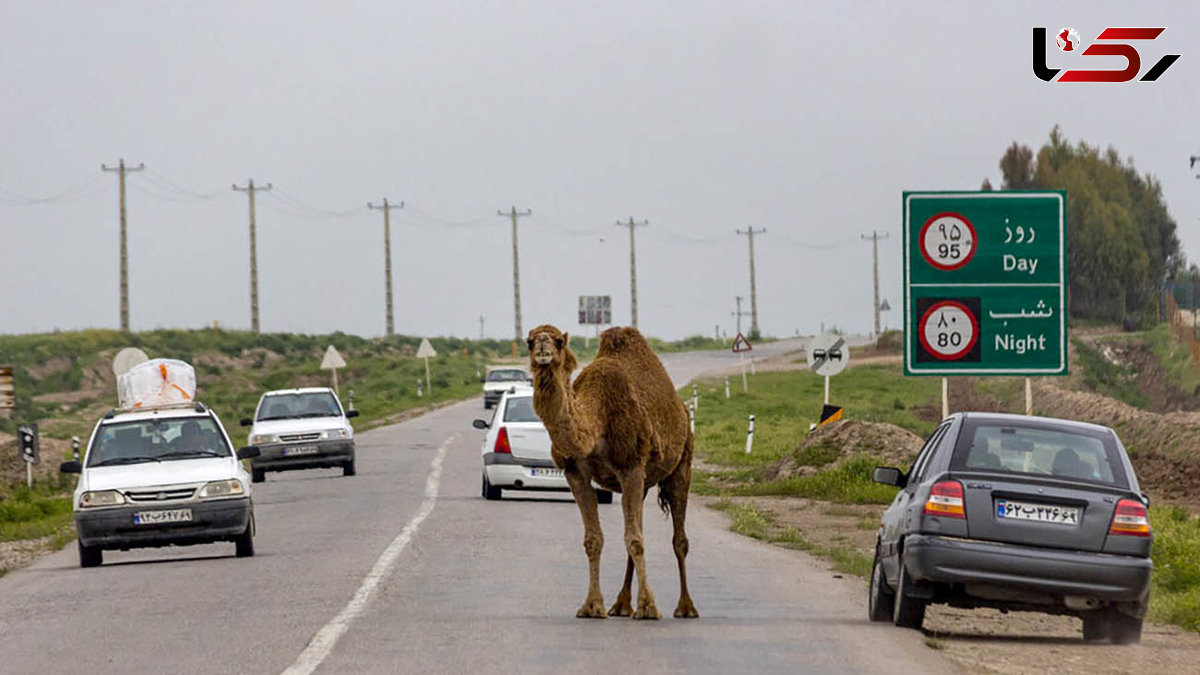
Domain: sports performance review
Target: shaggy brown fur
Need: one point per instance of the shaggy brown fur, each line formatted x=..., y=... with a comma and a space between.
x=622, y=426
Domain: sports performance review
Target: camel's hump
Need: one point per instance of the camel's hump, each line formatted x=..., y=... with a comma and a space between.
x=621, y=339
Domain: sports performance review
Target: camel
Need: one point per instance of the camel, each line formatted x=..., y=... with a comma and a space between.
x=623, y=427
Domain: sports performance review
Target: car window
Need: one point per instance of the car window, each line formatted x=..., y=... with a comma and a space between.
x=157, y=440
x=520, y=409
x=506, y=376
x=299, y=405
x=1058, y=451
x=917, y=470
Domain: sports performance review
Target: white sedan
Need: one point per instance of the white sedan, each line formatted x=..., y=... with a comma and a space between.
x=516, y=449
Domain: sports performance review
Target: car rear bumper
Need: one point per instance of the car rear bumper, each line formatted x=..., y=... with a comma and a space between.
x=219, y=520
x=504, y=470
x=1106, y=577
x=279, y=457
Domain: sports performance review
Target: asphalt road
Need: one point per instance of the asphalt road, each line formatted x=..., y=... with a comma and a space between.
x=406, y=569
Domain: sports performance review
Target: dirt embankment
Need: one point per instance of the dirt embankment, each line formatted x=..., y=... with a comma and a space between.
x=12, y=466
x=838, y=441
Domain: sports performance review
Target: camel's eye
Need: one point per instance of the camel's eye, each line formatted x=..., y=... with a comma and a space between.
x=558, y=342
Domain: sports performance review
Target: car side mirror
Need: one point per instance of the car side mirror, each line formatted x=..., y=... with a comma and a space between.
x=351, y=413
x=889, y=476
x=70, y=467
x=246, y=422
x=483, y=379
x=249, y=452
x=481, y=424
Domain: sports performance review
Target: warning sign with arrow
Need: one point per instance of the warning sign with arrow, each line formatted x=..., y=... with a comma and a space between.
x=740, y=344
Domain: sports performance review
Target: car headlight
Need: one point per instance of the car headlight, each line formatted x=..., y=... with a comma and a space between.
x=222, y=488
x=263, y=439
x=335, y=433
x=91, y=500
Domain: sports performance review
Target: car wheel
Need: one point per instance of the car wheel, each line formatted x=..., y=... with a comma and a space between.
x=258, y=475
x=90, y=556
x=604, y=496
x=1126, y=630
x=880, y=598
x=490, y=492
x=1097, y=626
x=348, y=469
x=244, y=544
x=907, y=612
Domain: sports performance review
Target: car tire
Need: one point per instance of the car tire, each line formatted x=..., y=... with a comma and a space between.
x=244, y=544
x=258, y=475
x=1126, y=630
x=880, y=598
x=348, y=469
x=604, y=496
x=907, y=611
x=490, y=492
x=90, y=556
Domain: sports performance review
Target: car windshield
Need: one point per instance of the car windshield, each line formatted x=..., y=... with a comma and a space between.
x=520, y=409
x=157, y=440
x=1040, y=451
x=506, y=376
x=292, y=406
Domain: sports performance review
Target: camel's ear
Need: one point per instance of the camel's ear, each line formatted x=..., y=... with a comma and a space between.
x=529, y=342
x=567, y=339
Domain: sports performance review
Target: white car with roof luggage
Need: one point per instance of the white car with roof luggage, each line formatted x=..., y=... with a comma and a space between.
x=303, y=428
x=516, y=449
x=160, y=470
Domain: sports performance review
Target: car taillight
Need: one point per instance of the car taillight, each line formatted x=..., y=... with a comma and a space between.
x=946, y=499
x=502, y=442
x=1130, y=519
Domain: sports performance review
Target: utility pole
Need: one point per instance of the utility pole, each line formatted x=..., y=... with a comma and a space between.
x=387, y=257
x=874, y=239
x=739, y=313
x=750, y=232
x=481, y=328
x=514, y=214
x=121, y=170
x=633, y=267
x=250, y=189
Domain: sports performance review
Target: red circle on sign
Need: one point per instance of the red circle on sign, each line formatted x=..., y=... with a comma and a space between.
x=925, y=229
x=962, y=352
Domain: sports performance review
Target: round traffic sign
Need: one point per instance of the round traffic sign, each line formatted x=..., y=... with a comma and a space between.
x=828, y=354
x=948, y=241
x=948, y=330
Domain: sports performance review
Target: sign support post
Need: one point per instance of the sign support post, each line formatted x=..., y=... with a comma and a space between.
x=826, y=390
x=945, y=397
x=1028, y=396
x=332, y=361
x=425, y=351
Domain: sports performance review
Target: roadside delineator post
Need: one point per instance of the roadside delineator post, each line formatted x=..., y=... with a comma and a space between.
x=726, y=386
x=75, y=447
x=695, y=399
x=750, y=435
x=419, y=392
x=692, y=417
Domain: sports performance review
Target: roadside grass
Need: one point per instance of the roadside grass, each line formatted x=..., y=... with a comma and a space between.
x=1175, y=357
x=1109, y=379
x=752, y=522
x=1175, y=596
x=32, y=514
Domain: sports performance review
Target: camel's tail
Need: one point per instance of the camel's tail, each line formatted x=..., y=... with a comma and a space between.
x=664, y=492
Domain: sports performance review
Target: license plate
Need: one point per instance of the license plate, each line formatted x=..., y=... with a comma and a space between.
x=159, y=517
x=547, y=473
x=1042, y=513
x=300, y=450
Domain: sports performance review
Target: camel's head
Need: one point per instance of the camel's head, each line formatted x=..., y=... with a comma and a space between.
x=550, y=347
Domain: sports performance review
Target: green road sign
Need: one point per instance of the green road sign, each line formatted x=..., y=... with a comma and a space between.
x=985, y=277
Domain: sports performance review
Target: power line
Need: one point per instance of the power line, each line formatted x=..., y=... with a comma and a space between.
x=121, y=170
x=387, y=256
x=74, y=193
x=250, y=189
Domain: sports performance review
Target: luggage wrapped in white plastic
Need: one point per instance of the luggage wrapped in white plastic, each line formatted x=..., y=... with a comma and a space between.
x=156, y=383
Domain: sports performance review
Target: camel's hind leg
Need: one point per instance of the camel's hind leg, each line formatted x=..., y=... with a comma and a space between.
x=675, y=493
x=593, y=542
x=634, y=484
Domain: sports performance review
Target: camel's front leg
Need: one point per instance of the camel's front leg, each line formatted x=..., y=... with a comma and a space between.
x=623, y=606
x=633, y=484
x=593, y=542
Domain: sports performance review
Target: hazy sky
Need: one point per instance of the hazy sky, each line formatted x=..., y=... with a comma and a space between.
x=806, y=118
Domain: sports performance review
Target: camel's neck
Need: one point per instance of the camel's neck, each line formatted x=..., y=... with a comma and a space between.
x=558, y=409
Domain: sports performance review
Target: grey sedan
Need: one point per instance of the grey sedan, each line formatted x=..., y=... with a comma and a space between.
x=1020, y=513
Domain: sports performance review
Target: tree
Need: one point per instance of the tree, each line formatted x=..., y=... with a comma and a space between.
x=987, y=186
x=1017, y=167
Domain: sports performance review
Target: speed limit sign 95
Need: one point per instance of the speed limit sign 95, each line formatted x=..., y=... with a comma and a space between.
x=948, y=241
x=948, y=329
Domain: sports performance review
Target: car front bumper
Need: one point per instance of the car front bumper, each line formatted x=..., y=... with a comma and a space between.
x=1052, y=572
x=317, y=454
x=504, y=470
x=113, y=528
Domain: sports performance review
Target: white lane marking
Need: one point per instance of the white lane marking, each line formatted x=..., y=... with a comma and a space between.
x=325, y=639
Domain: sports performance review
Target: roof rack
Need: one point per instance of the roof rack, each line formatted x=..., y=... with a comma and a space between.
x=197, y=406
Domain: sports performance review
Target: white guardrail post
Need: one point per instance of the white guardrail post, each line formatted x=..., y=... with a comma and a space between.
x=750, y=435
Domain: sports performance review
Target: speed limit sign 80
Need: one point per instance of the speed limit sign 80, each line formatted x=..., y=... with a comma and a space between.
x=948, y=241
x=948, y=330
